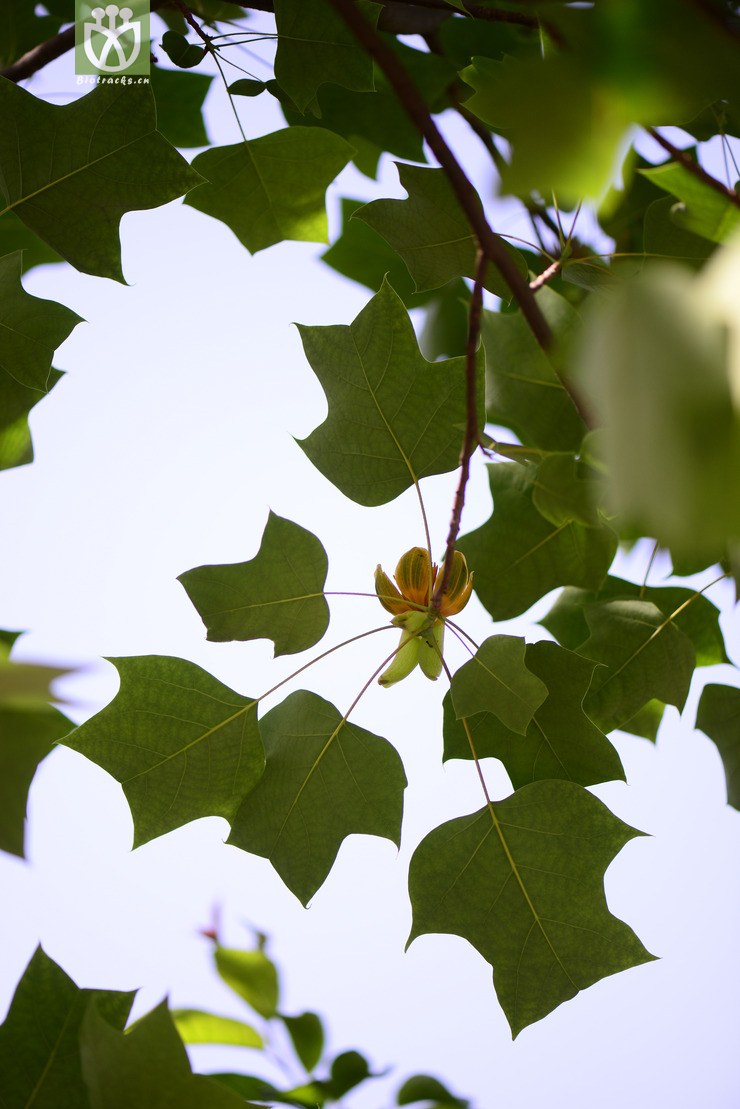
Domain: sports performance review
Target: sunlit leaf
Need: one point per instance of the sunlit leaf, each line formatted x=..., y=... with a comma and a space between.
x=325, y=779
x=196, y=1027
x=518, y=555
x=57, y=162
x=277, y=595
x=393, y=417
x=560, y=742
x=252, y=975
x=718, y=716
x=181, y=744
x=316, y=46
x=40, y=1059
x=431, y=233
x=271, y=188
x=703, y=210
x=497, y=680
x=523, y=883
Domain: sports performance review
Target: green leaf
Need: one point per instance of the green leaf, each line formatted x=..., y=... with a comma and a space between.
x=14, y=235
x=561, y=493
x=560, y=742
x=691, y=612
x=518, y=555
x=523, y=391
x=21, y=28
x=147, y=1065
x=179, y=98
x=30, y=331
x=347, y=1071
x=325, y=780
x=277, y=595
x=247, y=1085
x=57, y=162
x=182, y=53
x=307, y=1034
x=364, y=256
x=662, y=235
x=431, y=233
x=523, y=883
x=646, y=722
x=247, y=86
x=394, y=418
x=252, y=976
x=315, y=46
x=496, y=680
x=196, y=1027
x=181, y=744
x=644, y=657
x=703, y=210
x=26, y=737
x=272, y=188
x=423, y=1087
x=718, y=716
x=39, y=1049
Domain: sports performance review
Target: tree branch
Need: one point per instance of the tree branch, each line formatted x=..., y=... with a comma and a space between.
x=413, y=103
x=470, y=439
x=693, y=167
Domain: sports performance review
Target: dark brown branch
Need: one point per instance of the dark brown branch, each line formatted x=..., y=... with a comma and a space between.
x=470, y=439
x=40, y=56
x=477, y=11
x=693, y=167
x=413, y=103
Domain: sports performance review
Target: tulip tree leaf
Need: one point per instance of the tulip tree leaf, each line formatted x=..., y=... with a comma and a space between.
x=325, y=779
x=272, y=188
x=524, y=885
x=148, y=1065
x=692, y=612
x=703, y=210
x=181, y=744
x=518, y=555
x=57, y=164
x=718, y=716
x=251, y=975
x=644, y=656
x=179, y=98
x=277, y=595
x=424, y=1087
x=315, y=46
x=393, y=417
x=431, y=233
x=14, y=235
x=40, y=1059
x=560, y=742
x=496, y=680
x=30, y=331
x=26, y=737
x=561, y=494
x=523, y=391
x=307, y=1034
x=197, y=1027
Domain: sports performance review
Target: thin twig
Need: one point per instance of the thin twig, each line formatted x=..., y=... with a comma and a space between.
x=693, y=167
x=491, y=15
x=546, y=275
x=470, y=439
x=413, y=103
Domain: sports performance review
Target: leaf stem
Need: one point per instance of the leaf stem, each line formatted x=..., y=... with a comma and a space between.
x=323, y=655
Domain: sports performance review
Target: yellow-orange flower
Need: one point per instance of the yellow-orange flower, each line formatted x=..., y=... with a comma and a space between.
x=410, y=602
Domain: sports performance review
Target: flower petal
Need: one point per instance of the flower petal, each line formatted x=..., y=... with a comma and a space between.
x=388, y=595
x=416, y=575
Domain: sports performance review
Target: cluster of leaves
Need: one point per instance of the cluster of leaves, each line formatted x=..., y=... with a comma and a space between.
x=613, y=379
x=62, y=1045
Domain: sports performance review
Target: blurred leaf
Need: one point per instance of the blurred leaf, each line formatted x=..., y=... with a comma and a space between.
x=179, y=98
x=325, y=780
x=272, y=188
x=560, y=742
x=703, y=210
x=39, y=1042
x=307, y=1034
x=315, y=46
x=197, y=1027
x=522, y=881
x=523, y=390
x=431, y=233
x=252, y=976
x=445, y=329
x=718, y=716
x=26, y=737
x=181, y=744
x=182, y=53
x=496, y=680
x=57, y=161
x=347, y=1071
x=518, y=556
x=147, y=1065
x=393, y=417
x=249, y=1086
x=30, y=331
x=644, y=657
x=22, y=27
x=277, y=595
x=423, y=1087
x=665, y=238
